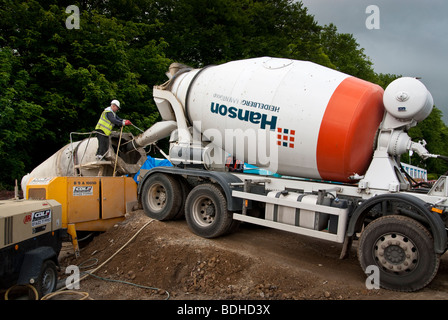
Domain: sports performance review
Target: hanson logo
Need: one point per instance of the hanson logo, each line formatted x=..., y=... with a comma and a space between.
x=245, y=115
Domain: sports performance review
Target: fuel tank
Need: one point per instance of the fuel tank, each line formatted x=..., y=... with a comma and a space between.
x=321, y=123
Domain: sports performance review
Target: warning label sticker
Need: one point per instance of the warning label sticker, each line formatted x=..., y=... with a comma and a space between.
x=40, y=181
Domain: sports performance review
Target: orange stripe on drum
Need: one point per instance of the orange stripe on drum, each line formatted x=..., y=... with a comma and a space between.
x=348, y=128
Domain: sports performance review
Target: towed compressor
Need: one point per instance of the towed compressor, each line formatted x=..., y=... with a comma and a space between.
x=30, y=245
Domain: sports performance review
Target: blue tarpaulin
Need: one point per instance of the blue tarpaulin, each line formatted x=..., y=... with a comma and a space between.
x=152, y=163
x=155, y=162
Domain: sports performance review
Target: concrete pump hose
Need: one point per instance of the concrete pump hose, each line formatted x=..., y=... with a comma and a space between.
x=61, y=290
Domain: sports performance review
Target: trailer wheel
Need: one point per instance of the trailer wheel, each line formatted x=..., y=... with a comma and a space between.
x=206, y=211
x=47, y=280
x=403, y=251
x=161, y=198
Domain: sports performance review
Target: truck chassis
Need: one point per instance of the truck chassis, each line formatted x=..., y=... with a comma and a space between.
x=403, y=234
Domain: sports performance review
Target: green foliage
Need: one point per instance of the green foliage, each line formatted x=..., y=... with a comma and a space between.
x=21, y=120
x=344, y=52
x=434, y=131
x=55, y=80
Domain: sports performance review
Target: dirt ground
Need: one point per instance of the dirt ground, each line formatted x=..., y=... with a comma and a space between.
x=254, y=263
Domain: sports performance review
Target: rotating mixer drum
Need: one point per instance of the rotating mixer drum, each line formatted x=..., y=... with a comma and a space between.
x=322, y=122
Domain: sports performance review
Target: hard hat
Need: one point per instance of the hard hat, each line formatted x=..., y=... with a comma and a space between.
x=116, y=102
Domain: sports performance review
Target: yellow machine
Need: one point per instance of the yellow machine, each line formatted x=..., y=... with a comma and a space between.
x=88, y=203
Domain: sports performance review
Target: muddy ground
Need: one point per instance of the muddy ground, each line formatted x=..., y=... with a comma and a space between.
x=165, y=261
x=254, y=263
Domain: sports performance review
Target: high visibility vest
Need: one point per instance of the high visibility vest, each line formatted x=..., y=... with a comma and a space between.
x=104, y=124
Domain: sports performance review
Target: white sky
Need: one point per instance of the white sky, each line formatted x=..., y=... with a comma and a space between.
x=412, y=39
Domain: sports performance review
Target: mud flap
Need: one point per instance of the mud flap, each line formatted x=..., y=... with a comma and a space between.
x=32, y=264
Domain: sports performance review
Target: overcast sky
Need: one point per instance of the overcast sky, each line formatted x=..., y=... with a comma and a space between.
x=412, y=39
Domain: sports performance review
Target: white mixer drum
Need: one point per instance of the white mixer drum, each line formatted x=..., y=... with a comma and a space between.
x=323, y=121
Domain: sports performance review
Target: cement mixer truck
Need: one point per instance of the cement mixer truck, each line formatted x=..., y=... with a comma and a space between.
x=326, y=147
x=330, y=144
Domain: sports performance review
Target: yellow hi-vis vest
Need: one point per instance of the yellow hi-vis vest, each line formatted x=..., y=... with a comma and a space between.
x=104, y=124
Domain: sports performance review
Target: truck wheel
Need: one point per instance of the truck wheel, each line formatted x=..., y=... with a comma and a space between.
x=161, y=198
x=402, y=249
x=47, y=280
x=206, y=211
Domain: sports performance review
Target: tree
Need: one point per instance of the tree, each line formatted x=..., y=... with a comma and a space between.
x=57, y=80
x=345, y=53
x=203, y=32
x=21, y=120
x=435, y=133
x=384, y=80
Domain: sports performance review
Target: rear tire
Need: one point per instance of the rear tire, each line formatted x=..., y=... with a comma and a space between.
x=206, y=211
x=184, y=191
x=402, y=249
x=161, y=197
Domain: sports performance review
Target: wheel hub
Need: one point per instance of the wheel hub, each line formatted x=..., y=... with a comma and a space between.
x=210, y=210
x=204, y=211
x=396, y=253
x=157, y=197
x=47, y=282
x=162, y=196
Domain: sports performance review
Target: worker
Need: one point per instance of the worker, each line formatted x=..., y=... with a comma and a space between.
x=104, y=127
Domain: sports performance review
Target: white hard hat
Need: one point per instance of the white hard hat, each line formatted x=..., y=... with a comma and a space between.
x=116, y=102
